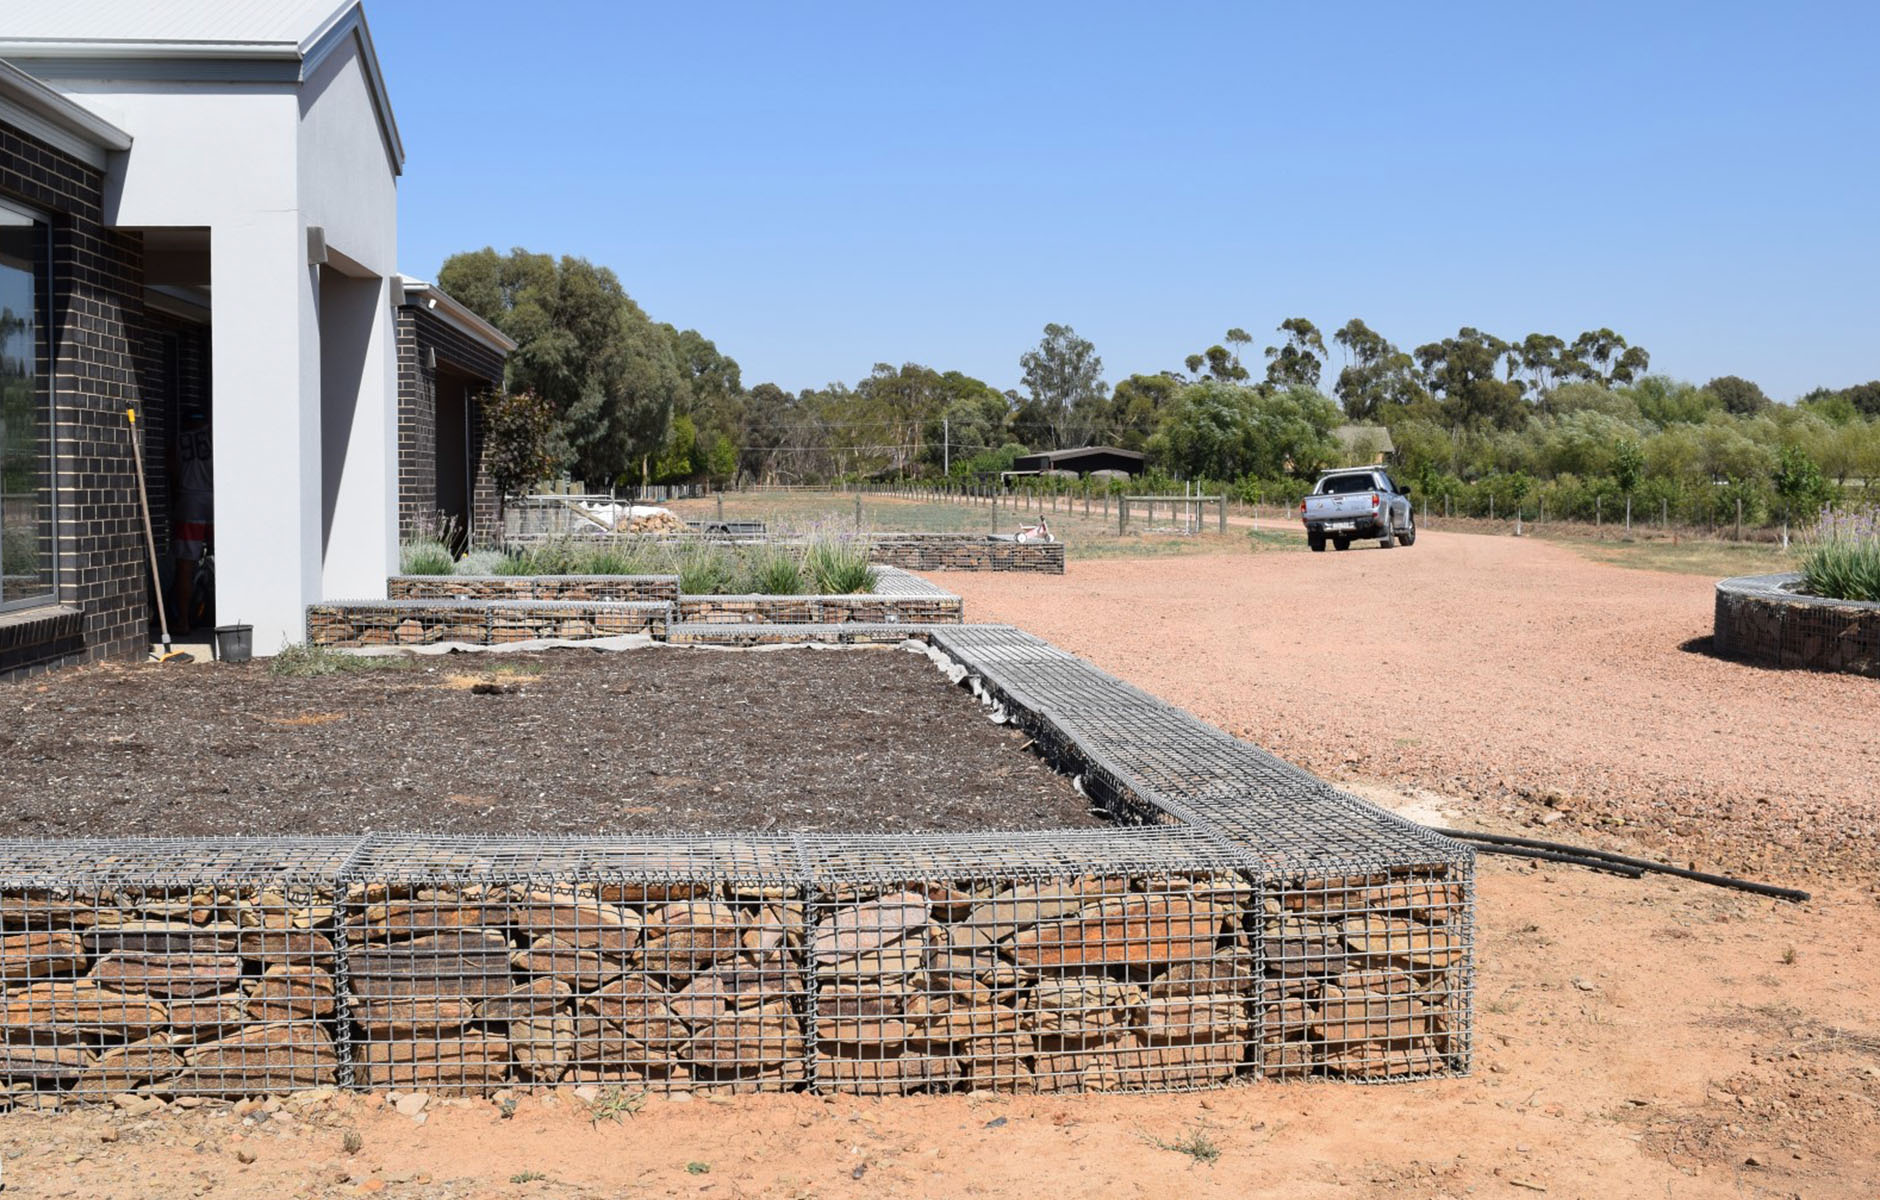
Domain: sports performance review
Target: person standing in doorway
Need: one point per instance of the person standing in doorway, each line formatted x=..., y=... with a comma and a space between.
x=193, y=526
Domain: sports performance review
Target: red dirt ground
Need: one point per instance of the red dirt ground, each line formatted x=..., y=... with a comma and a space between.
x=1496, y=668
x=1634, y=1039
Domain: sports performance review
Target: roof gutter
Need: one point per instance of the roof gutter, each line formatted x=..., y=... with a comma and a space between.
x=451, y=311
x=60, y=122
x=55, y=48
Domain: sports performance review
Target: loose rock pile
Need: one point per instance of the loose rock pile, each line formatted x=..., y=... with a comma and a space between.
x=660, y=522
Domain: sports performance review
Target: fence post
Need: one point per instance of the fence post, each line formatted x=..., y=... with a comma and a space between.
x=1223, y=512
x=858, y=512
x=1739, y=518
x=1122, y=514
x=1664, y=512
x=1628, y=514
x=1491, y=506
x=1598, y=517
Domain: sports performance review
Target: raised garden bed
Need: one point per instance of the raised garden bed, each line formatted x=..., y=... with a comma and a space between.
x=1763, y=619
x=358, y=623
x=898, y=598
x=493, y=609
x=660, y=741
x=1240, y=919
x=964, y=552
x=909, y=551
x=658, y=589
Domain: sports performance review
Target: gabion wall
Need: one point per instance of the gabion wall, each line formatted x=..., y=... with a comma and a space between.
x=356, y=623
x=1238, y=920
x=658, y=589
x=1760, y=620
x=492, y=610
x=965, y=552
x=909, y=551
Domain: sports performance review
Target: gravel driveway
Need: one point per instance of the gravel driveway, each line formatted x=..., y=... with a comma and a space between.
x=1494, y=668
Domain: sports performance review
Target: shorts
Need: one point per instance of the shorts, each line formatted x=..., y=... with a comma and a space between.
x=187, y=539
x=195, y=522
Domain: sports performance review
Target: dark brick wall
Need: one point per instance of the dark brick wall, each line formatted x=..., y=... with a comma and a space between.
x=97, y=315
x=419, y=330
x=169, y=346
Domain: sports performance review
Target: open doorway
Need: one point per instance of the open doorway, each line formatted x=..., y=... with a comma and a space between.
x=455, y=487
x=187, y=511
x=178, y=419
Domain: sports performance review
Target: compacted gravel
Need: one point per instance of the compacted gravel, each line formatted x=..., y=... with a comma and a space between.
x=1489, y=667
x=571, y=741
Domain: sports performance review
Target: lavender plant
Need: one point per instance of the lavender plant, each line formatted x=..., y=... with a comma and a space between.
x=1841, y=556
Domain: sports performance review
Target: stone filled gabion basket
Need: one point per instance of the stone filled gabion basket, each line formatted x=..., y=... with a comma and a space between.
x=1241, y=921
x=1764, y=619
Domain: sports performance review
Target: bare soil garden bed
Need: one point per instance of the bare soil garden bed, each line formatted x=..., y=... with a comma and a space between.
x=653, y=741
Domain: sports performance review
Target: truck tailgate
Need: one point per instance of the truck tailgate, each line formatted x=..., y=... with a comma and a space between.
x=1344, y=507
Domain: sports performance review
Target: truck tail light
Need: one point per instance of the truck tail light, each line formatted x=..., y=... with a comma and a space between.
x=1373, y=499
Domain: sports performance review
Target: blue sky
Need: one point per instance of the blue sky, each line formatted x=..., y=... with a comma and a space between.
x=819, y=187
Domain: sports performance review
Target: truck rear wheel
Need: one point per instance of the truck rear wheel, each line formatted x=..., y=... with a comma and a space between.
x=1317, y=542
x=1341, y=543
x=1409, y=535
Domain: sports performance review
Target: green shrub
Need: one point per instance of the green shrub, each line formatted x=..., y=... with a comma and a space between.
x=614, y=557
x=1842, y=558
x=426, y=558
x=479, y=562
x=703, y=568
x=837, y=565
x=772, y=571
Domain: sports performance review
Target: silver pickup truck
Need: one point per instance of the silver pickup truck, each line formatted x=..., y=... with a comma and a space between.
x=1358, y=502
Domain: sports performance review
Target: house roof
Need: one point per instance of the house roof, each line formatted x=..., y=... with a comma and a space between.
x=216, y=41
x=30, y=105
x=451, y=311
x=117, y=23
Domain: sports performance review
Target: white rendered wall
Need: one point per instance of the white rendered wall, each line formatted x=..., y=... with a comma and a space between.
x=305, y=476
x=346, y=187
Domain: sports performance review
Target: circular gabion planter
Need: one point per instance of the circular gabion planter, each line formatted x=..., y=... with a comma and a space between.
x=1763, y=619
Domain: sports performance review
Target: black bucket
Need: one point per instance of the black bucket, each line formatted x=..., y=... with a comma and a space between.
x=234, y=643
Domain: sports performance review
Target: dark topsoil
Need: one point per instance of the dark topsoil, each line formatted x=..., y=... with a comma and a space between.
x=570, y=741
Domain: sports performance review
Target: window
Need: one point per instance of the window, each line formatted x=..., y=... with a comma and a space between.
x=1344, y=485
x=26, y=475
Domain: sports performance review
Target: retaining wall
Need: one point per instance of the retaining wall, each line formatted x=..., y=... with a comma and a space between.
x=357, y=623
x=965, y=552
x=1760, y=620
x=1240, y=919
x=485, y=610
x=909, y=551
x=651, y=588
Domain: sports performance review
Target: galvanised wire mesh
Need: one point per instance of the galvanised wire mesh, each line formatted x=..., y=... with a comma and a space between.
x=190, y=967
x=1760, y=619
x=1241, y=919
x=355, y=623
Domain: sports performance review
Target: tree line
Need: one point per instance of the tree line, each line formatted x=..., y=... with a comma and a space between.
x=601, y=392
